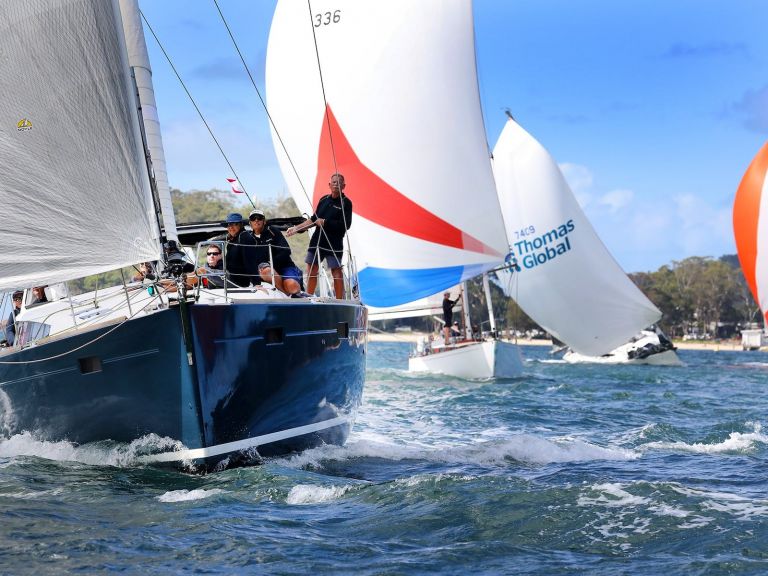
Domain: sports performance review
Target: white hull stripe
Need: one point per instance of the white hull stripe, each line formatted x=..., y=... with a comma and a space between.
x=219, y=449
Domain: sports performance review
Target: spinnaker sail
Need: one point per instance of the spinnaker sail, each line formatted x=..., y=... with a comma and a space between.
x=750, y=227
x=398, y=113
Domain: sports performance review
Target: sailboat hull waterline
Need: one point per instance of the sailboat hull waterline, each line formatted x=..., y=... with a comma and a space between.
x=261, y=379
x=476, y=361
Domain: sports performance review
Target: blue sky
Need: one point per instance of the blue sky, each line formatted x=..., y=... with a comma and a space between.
x=653, y=109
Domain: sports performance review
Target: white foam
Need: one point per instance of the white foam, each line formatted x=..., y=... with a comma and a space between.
x=188, y=495
x=498, y=451
x=32, y=494
x=740, y=507
x=97, y=454
x=740, y=442
x=309, y=494
x=611, y=495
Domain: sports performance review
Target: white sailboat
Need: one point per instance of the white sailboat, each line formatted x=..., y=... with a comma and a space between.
x=136, y=361
x=565, y=278
x=386, y=93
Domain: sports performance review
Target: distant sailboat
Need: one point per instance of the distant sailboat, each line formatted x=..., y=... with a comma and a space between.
x=566, y=280
x=750, y=228
x=402, y=121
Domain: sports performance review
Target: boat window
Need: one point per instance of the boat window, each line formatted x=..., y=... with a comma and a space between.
x=274, y=336
x=89, y=364
x=342, y=329
x=30, y=331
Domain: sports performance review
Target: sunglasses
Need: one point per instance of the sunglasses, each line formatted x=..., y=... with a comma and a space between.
x=213, y=253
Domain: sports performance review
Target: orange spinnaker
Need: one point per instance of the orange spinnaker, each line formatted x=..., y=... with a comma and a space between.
x=746, y=213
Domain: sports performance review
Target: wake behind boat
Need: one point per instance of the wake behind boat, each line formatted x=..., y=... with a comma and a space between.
x=223, y=374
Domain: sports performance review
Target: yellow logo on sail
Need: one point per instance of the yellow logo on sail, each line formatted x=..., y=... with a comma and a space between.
x=24, y=124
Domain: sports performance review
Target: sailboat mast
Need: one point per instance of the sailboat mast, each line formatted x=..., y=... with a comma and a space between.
x=138, y=60
x=148, y=157
x=487, y=289
x=465, y=310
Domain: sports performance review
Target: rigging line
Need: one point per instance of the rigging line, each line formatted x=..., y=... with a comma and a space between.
x=328, y=122
x=168, y=58
x=263, y=103
x=272, y=123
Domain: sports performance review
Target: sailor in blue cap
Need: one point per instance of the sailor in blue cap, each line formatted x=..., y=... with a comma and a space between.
x=241, y=261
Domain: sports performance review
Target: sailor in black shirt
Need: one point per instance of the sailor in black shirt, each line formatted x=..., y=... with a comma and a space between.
x=333, y=217
x=242, y=267
x=273, y=248
x=448, y=305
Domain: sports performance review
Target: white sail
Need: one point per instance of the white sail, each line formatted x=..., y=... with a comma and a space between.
x=567, y=281
x=402, y=123
x=138, y=59
x=73, y=181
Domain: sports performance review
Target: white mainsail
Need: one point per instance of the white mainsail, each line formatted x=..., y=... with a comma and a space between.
x=402, y=123
x=567, y=281
x=73, y=180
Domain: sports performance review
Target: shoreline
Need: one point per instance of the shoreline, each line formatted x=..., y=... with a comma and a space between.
x=413, y=337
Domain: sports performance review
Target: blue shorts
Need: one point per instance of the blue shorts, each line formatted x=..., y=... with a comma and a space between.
x=293, y=273
x=330, y=258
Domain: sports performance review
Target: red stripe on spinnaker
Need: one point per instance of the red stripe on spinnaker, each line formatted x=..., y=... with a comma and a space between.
x=746, y=214
x=375, y=200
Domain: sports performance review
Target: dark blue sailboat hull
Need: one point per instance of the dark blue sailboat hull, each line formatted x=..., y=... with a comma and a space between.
x=279, y=376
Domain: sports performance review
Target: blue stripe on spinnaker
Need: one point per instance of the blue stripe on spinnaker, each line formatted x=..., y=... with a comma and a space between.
x=383, y=287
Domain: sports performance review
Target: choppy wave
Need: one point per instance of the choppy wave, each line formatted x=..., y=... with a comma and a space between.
x=189, y=495
x=737, y=442
x=105, y=453
x=523, y=448
x=309, y=494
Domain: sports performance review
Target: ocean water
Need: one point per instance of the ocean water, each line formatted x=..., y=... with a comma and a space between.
x=572, y=469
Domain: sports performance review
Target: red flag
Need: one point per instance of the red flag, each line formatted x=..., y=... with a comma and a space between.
x=236, y=188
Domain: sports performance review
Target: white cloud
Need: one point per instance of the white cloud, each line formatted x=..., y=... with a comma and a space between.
x=702, y=228
x=615, y=200
x=753, y=107
x=580, y=180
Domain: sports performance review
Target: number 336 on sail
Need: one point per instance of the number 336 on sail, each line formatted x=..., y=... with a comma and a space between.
x=326, y=18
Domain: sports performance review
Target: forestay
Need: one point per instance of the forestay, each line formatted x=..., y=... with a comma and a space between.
x=402, y=123
x=567, y=281
x=750, y=227
x=73, y=181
